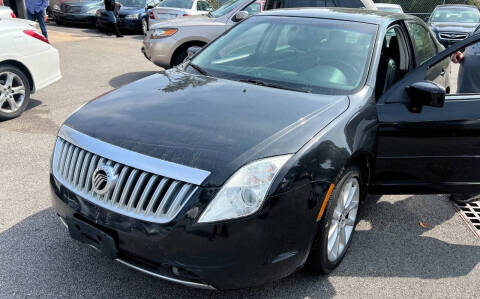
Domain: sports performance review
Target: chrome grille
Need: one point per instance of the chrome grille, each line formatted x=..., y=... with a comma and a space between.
x=453, y=35
x=136, y=193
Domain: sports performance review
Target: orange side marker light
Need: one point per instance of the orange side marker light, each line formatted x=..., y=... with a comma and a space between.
x=325, y=201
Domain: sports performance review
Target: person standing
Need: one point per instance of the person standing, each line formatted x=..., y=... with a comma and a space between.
x=112, y=9
x=36, y=12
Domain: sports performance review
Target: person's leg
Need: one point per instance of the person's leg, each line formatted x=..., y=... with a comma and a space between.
x=30, y=16
x=40, y=16
x=116, y=30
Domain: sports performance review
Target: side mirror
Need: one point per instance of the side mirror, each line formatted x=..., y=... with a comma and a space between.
x=192, y=51
x=240, y=16
x=426, y=93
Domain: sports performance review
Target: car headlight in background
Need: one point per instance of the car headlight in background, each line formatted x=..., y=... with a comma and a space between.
x=93, y=11
x=162, y=32
x=132, y=17
x=245, y=191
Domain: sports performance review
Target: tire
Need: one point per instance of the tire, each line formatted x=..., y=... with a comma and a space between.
x=14, y=96
x=179, y=57
x=465, y=198
x=144, y=26
x=322, y=258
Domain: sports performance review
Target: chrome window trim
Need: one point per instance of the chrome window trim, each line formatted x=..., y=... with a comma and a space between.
x=464, y=97
x=133, y=159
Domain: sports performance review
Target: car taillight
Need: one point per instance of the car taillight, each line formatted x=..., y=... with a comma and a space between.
x=12, y=14
x=34, y=34
x=185, y=14
x=152, y=16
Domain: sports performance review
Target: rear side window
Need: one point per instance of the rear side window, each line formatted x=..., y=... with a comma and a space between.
x=423, y=43
x=350, y=3
x=274, y=4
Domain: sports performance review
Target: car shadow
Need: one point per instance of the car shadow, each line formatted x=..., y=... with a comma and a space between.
x=126, y=78
x=39, y=258
x=33, y=103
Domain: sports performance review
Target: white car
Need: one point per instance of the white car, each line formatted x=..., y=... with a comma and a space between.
x=28, y=63
x=169, y=9
x=6, y=13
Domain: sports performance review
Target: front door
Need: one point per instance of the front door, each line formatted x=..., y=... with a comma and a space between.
x=426, y=149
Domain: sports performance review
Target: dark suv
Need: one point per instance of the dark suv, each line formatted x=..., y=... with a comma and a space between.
x=453, y=23
x=274, y=4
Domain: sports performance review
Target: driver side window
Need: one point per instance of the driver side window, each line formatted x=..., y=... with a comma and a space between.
x=253, y=8
x=394, y=60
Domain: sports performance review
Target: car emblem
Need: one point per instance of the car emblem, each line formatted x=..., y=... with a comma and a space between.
x=103, y=179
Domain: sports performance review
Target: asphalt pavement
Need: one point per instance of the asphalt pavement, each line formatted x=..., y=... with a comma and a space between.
x=391, y=255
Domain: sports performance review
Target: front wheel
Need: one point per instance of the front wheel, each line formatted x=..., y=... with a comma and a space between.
x=337, y=224
x=144, y=26
x=14, y=92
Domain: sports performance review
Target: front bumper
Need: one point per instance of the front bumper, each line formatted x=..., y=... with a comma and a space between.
x=219, y=256
x=80, y=18
x=122, y=23
x=159, y=51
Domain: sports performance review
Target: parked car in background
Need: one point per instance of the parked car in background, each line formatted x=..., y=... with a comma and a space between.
x=132, y=16
x=275, y=4
x=453, y=23
x=28, y=63
x=389, y=7
x=6, y=12
x=75, y=11
x=167, y=42
x=170, y=9
x=252, y=158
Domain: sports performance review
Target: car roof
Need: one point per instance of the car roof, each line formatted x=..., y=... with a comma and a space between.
x=387, y=5
x=456, y=5
x=376, y=17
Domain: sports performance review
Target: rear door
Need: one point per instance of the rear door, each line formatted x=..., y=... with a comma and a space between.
x=432, y=149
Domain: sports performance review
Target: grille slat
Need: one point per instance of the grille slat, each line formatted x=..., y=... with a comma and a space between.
x=133, y=192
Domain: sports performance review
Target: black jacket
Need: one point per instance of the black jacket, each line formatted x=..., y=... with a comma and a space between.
x=109, y=5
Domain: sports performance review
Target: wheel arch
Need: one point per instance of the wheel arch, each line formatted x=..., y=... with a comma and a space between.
x=364, y=161
x=185, y=46
x=23, y=68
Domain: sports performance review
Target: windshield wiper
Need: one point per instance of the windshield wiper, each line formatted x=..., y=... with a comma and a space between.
x=273, y=85
x=199, y=69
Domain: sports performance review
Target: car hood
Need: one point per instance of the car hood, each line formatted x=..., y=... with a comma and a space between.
x=199, y=20
x=454, y=27
x=207, y=123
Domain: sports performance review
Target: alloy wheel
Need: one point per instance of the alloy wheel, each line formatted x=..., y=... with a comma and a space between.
x=12, y=92
x=343, y=219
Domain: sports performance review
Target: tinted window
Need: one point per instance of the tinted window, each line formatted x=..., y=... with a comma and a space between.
x=226, y=8
x=274, y=4
x=455, y=15
x=422, y=41
x=350, y=3
x=310, y=55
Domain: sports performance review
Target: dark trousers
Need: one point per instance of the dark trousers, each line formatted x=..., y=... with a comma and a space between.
x=40, y=17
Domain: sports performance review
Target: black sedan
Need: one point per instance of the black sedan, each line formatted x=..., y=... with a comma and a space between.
x=80, y=12
x=252, y=158
x=132, y=15
x=453, y=23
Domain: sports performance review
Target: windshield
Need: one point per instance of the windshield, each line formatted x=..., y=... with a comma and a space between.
x=303, y=54
x=132, y=3
x=176, y=3
x=390, y=9
x=456, y=15
x=226, y=8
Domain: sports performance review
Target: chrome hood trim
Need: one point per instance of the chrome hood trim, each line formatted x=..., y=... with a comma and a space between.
x=133, y=159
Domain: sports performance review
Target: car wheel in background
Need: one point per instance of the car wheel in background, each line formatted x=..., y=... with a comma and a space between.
x=179, y=57
x=144, y=26
x=338, y=223
x=14, y=92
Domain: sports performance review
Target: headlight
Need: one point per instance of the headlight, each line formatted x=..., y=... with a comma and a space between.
x=162, y=32
x=245, y=191
x=92, y=11
x=132, y=17
x=56, y=7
